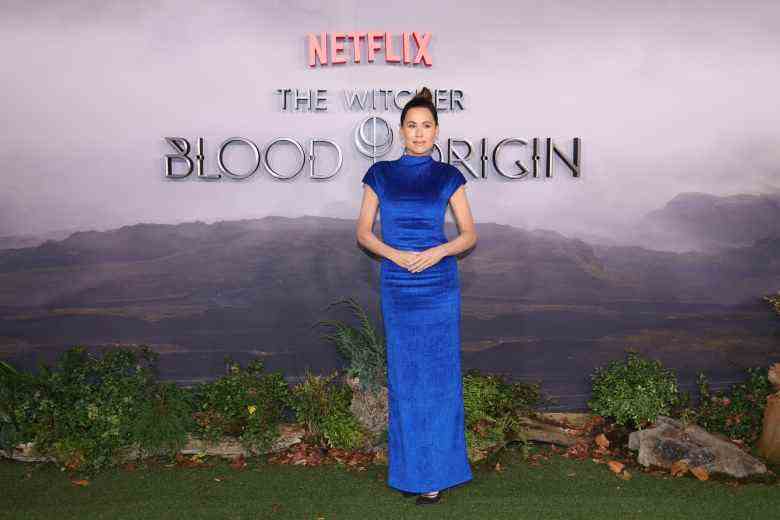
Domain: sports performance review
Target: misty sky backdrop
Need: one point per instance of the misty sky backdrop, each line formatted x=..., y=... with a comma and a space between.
x=666, y=99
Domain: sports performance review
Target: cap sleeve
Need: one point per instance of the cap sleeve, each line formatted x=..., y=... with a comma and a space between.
x=456, y=181
x=370, y=178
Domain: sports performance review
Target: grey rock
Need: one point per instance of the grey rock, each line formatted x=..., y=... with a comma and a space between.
x=370, y=408
x=669, y=441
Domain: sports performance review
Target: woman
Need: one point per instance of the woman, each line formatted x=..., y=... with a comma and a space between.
x=420, y=299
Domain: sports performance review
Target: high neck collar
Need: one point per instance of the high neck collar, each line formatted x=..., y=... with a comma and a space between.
x=415, y=159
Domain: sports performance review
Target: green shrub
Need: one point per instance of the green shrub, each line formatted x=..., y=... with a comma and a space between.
x=322, y=405
x=164, y=420
x=15, y=420
x=83, y=410
x=737, y=413
x=493, y=409
x=244, y=403
x=363, y=348
x=634, y=392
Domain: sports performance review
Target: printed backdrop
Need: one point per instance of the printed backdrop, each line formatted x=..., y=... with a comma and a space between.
x=666, y=242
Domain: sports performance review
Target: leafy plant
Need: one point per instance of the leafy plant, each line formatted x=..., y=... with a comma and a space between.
x=322, y=405
x=634, y=392
x=737, y=413
x=493, y=409
x=15, y=387
x=164, y=420
x=245, y=403
x=82, y=411
x=363, y=348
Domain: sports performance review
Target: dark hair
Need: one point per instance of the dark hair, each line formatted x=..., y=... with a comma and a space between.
x=423, y=98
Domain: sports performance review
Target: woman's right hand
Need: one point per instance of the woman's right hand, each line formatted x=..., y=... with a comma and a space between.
x=404, y=258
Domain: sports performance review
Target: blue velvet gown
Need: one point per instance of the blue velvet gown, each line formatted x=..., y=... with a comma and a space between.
x=421, y=313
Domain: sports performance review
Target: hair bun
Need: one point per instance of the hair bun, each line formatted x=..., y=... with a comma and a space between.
x=423, y=98
x=425, y=93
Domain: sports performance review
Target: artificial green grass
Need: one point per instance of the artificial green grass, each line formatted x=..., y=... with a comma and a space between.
x=558, y=488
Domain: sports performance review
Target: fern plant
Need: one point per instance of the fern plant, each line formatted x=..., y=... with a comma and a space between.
x=363, y=347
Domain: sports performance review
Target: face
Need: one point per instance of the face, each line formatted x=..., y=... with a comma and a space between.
x=419, y=131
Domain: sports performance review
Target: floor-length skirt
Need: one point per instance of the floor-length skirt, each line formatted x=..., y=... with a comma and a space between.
x=426, y=436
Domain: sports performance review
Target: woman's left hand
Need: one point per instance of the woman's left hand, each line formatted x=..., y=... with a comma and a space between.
x=426, y=259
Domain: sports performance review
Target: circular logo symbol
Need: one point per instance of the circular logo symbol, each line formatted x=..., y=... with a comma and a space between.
x=374, y=137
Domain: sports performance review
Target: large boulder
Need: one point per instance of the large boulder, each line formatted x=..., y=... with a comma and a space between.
x=669, y=441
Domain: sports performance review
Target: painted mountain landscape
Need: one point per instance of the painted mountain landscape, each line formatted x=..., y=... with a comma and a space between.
x=686, y=287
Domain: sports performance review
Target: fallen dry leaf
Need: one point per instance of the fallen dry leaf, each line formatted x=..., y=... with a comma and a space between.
x=700, y=472
x=625, y=475
x=615, y=466
x=238, y=462
x=498, y=467
x=601, y=451
x=579, y=450
x=312, y=455
x=73, y=464
x=679, y=468
x=196, y=461
x=602, y=441
x=592, y=423
x=81, y=482
x=380, y=457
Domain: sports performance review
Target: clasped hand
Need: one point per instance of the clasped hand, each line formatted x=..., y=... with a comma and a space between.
x=416, y=261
